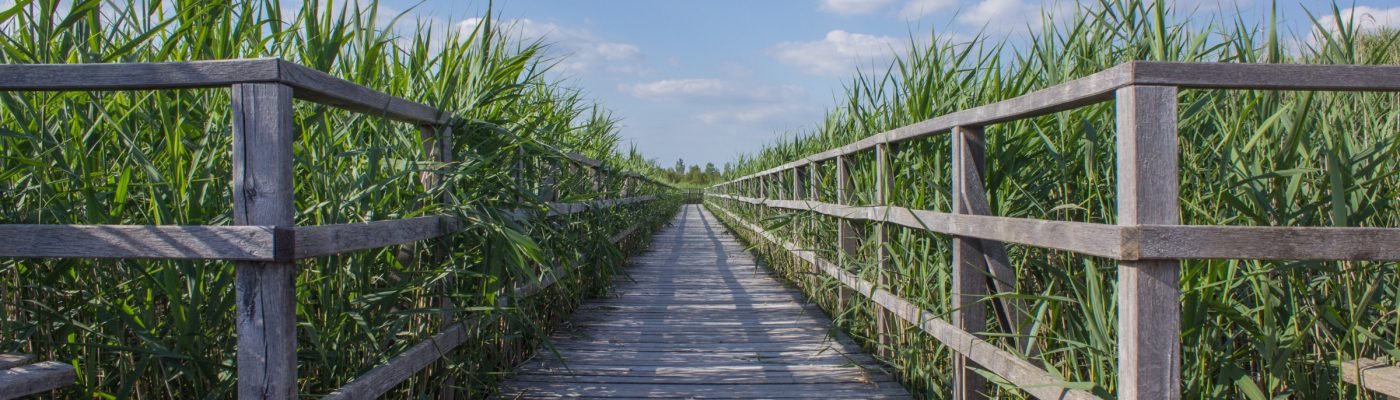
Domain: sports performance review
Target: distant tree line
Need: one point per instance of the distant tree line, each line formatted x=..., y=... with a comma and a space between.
x=694, y=175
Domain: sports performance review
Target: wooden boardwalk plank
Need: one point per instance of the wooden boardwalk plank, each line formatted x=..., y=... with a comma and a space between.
x=696, y=317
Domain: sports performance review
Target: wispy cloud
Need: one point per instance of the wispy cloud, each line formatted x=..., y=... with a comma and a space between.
x=1363, y=19
x=854, y=7
x=576, y=49
x=838, y=53
x=713, y=90
x=916, y=9
x=1003, y=15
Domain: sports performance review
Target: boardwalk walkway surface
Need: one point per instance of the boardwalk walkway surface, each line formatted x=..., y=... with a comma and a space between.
x=697, y=318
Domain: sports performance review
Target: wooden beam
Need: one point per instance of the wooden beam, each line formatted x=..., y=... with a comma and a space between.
x=376, y=382
x=137, y=76
x=262, y=195
x=1265, y=243
x=242, y=243
x=969, y=262
x=320, y=87
x=883, y=185
x=1099, y=240
x=36, y=378
x=324, y=240
x=1373, y=375
x=1149, y=292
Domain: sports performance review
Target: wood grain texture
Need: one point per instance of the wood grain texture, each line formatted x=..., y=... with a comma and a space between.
x=970, y=269
x=262, y=195
x=1264, y=243
x=1092, y=239
x=11, y=360
x=1017, y=371
x=323, y=240
x=697, y=317
x=1149, y=292
x=246, y=243
x=137, y=76
x=1373, y=375
x=35, y=378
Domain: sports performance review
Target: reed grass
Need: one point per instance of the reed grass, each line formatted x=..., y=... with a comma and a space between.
x=1250, y=329
x=164, y=329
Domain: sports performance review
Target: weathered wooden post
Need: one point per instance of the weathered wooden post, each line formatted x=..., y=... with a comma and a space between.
x=883, y=318
x=262, y=195
x=437, y=146
x=1149, y=292
x=969, y=268
x=847, y=233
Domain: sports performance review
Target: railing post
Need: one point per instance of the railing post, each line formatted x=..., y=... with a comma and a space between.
x=437, y=143
x=262, y=195
x=969, y=268
x=847, y=238
x=883, y=318
x=1149, y=292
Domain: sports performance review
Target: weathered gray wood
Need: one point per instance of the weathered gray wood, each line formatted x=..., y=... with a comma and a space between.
x=11, y=360
x=1092, y=239
x=970, y=197
x=698, y=318
x=136, y=76
x=1351, y=78
x=884, y=323
x=247, y=243
x=969, y=262
x=1014, y=369
x=323, y=240
x=262, y=195
x=1263, y=243
x=1373, y=375
x=847, y=232
x=376, y=382
x=317, y=86
x=35, y=378
x=1149, y=292
x=309, y=84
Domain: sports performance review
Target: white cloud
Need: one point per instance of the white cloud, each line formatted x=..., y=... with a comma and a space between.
x=1362, y=19
x=854, y=7
x=1003, y=15
x=575, y=49
x=915, y=9
x=838, y=53
x=713, y=90
x=769, y=114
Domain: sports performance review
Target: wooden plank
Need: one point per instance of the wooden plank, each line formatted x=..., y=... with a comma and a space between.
x=1373, y=375
x=1099, y=240
x=246, y=243
x=969, y=262
x=35, y=379
x=137, y=76
x=697, y=303
x=1265, y=243
x=376, y=382
x=323, y=240
x=11, y=360
x=1351, y=78
x=1149, y=292
x=262, y=195
x=1014, y=369
x=320, y=87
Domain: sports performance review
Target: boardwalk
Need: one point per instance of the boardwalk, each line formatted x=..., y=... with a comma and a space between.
x=697, y=318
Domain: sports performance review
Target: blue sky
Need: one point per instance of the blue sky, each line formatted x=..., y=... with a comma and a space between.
x=707, y=80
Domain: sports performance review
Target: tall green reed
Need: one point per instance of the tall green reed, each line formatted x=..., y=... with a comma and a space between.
x=162, y=329
x=1251, y=329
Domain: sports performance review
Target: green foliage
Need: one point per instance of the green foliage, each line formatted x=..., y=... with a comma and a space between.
x=1250, y=329
x=164, y=329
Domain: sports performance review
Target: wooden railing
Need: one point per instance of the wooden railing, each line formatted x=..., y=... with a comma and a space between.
x=265, y=243
x=1148, y=239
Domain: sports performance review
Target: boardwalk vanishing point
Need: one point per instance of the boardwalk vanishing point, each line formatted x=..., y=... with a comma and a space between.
x=696, y=317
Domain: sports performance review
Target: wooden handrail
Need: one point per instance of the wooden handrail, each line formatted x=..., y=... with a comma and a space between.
x=264, y=243
x=1148, y=239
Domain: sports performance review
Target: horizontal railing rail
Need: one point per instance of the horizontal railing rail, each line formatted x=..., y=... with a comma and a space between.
x=1148, y=239
x=264, y=243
